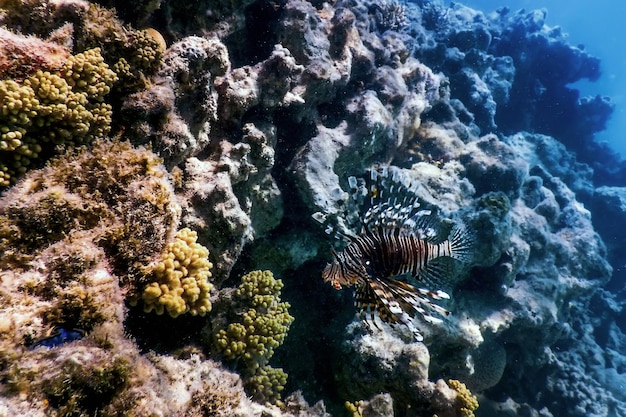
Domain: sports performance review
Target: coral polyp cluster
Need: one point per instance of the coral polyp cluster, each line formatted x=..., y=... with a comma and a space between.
x=467, y=402
x=182, y=276
x=53, y=108
x=263, y=323
x=256, y=328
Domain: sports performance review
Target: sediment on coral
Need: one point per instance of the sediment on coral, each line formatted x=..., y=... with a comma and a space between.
x=112, y=194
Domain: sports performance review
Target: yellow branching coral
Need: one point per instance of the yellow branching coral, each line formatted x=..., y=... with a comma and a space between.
x=135, y=54
x=51, y=108
x=466, y=401
x=354, y=408
x=87, y=73
x=182, y=278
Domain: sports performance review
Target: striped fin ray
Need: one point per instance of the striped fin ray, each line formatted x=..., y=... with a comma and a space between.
x=365, y=301
x=388, y=200
x=383, y=199
x=332, y=228
x=461, y=242
x=398, y=302
x=391, y=198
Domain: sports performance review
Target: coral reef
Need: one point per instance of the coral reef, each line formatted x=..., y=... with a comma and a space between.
x=47, y=109
x=133, y=54
x=79, y=238
x=186, y=74
x=234, y=122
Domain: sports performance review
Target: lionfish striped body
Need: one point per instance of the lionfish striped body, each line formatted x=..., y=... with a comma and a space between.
x=397, y=238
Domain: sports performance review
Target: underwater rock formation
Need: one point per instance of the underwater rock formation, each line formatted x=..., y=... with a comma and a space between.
x=219, y=133
x=78, y=239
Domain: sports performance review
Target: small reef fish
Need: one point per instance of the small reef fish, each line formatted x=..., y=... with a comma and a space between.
x=59, y=337
x=397, y=238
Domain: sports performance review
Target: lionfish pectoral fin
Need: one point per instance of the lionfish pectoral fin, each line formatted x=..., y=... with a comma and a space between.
x=366, y=302
x=392, y=308
x=400, y=302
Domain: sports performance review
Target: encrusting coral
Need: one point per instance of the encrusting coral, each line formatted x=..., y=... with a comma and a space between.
x=261, y=325
x=182, y=278
x=21, y=56
x=113, y=194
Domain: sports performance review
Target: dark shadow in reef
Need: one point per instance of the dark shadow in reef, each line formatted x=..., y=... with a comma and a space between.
x=162, y=334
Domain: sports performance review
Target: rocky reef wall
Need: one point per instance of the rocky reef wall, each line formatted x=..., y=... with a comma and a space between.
x=160, y=164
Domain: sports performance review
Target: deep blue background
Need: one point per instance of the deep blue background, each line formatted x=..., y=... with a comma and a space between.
x=599, y=25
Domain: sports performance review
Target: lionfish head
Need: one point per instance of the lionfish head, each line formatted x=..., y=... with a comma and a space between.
x=335, y=274
x=332, y=273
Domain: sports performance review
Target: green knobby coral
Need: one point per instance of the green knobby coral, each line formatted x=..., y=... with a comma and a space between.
x=266, y=384
x=52, y=108
x=466, y=402
x=182, y=278
x=261, y=325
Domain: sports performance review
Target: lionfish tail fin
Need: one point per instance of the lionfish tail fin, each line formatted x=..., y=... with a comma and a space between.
x=461, y=243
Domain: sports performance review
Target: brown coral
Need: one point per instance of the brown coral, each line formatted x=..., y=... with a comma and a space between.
x=21, y=56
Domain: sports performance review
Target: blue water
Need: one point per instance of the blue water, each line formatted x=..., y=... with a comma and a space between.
x=598, y=25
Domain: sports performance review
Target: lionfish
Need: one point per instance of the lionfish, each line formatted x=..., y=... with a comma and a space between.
x=398, y=237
